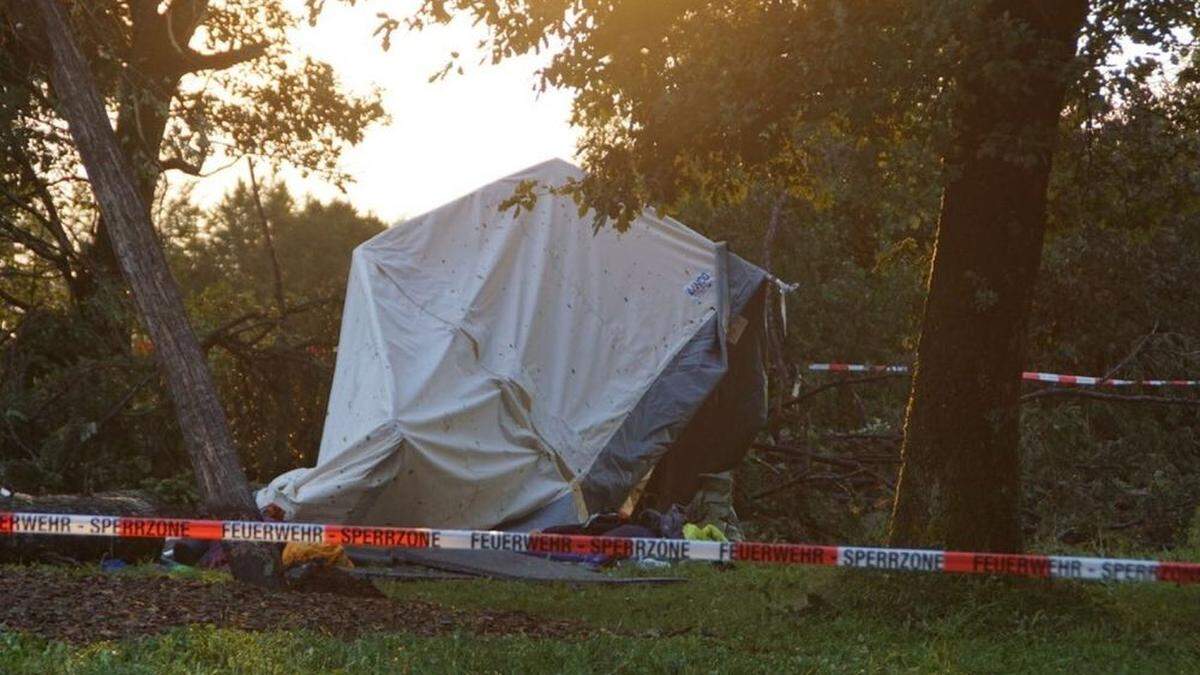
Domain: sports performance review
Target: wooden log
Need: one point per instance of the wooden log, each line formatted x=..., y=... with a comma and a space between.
x=25, y=548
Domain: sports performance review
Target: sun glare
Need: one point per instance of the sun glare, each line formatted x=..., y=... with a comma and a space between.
x=444, y=137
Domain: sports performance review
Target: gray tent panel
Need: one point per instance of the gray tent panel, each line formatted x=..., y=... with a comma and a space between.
x=671, y=403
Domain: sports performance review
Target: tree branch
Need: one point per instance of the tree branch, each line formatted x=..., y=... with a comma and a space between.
x=182, y=17
x=117, y=407
x=179, y=164
x=53, y=221
x=841, y=383
x=1137, y=348
x=268, y=243
x=191, y=61
x=1105, y=396
x=15, y=302
x=42, y=248
x=235, y=326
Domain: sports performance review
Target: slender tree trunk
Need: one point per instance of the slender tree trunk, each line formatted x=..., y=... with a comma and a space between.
x=223, y=486
x=778, y=377
x=268, y=245
x=960, y=480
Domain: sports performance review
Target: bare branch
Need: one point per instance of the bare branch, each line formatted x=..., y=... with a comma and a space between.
x=863, y=436
x=179, y=164
x=43, y=248
x=182, y=17
x=802, y=478
x=191, y=61
x=268, y=243
x=841, y=383
x=21, y=204
x=1105, y=396
x=52, y=220
x=806, y=454
x=15, y=302
x=1137, y=348
x=256, y=320
x=197, y=170
x=117, y=407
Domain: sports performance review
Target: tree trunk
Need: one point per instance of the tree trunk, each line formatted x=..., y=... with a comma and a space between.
x=222, y=484
x=145, y=95
x=959, y=484
x=779, y=379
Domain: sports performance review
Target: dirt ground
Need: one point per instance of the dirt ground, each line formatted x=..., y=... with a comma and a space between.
x=81, y=609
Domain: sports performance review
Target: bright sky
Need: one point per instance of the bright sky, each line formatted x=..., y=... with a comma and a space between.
x=444, y=138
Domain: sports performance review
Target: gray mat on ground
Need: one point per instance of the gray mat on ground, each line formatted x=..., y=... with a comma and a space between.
x=495, y=565
x=406, y=573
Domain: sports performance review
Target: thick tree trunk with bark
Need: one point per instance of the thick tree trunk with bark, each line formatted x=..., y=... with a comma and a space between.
x=145, y=97
x=223, y=486
x=960, y=480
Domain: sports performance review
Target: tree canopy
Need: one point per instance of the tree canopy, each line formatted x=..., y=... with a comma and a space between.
x=193, y=85
x=682, y=97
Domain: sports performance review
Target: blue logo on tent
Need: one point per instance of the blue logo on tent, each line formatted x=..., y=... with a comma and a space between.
x=699, y=285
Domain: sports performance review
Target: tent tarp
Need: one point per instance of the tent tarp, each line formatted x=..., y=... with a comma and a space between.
x=490, y=360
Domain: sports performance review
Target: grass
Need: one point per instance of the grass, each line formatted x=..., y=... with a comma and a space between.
x=747, y=619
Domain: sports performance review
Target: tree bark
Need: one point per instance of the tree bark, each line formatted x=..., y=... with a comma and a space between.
x=150, y=82
x=778, y=377
x=959, y=483
x=222, y=484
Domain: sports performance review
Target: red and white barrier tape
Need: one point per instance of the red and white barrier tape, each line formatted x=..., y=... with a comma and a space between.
x=855, y=368
x=1049, y=567
x=1054, y=378
x=1086, y=381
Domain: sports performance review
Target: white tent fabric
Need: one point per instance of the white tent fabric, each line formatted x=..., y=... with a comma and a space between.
x=487, y=356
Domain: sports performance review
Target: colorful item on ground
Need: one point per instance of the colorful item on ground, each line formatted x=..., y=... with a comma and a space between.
x=959, y=562
x=1053, y=378
x=707, y=532
x=713, y=504
x=327, y=555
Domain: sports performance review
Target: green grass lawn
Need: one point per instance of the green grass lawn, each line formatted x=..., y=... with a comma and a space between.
x=747, y=619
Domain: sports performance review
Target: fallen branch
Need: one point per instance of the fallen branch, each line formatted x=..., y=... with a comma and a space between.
x=854, y=436
x=841, y=383
x=1133, y=352
x=824, y=459
x=1104, y=396
x=26, y=548
x=781, y=487
x=857, y=464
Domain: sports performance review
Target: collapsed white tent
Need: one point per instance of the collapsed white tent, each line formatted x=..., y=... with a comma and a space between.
x=498, y=367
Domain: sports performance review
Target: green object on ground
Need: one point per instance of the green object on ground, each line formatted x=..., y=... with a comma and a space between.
x=708, y=532
x=713, y=505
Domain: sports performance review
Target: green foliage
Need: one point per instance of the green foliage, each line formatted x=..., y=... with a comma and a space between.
x=232, y=88
x=273, y=372
x=679, y=99
x=190, y=85
x=1120, y=264
x=76, y=422
x=846, y=109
